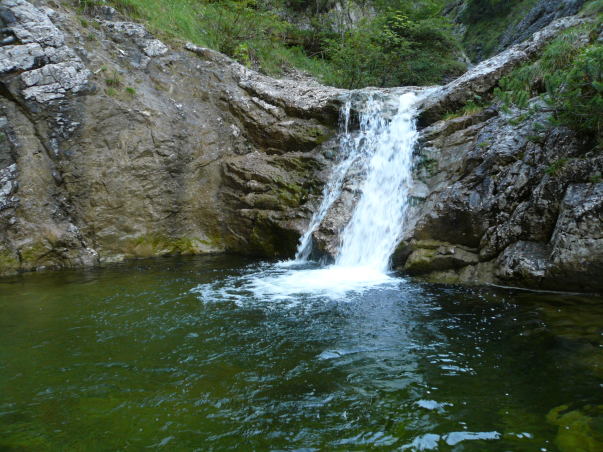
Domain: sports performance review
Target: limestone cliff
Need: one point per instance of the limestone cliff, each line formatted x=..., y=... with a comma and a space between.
x=115, y=145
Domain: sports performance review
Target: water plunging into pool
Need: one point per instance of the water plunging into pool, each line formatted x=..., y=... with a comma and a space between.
x=382, y=148
x=378, y=219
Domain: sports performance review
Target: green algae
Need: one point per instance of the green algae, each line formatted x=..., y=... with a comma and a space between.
x=151, y=245
x=580, y=430
x=9, y=263
x=33, y=255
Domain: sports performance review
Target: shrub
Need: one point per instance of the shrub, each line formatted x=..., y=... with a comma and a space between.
x=569, y=77
x=394, y=50
x=577, y=95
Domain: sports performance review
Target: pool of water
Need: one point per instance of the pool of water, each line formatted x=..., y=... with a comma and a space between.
x=208, y=354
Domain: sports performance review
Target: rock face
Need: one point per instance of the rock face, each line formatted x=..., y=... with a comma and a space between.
x=507, y=200
x=542, y=13
x=508, y=204
x=114, y=145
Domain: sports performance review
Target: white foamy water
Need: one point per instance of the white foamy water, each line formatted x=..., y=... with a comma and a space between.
x=383, y=147
x=291, y=284
x=372, y=234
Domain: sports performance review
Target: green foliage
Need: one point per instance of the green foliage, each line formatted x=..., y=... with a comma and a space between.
x=404, y=43
x=593, y=7
x=486, y=21
x=114, y=81
x=595, y=178
x=394, y=49
x=569, y=77
x=577, y=95
x=556, y=167
x=527, y=81
x=472, y=107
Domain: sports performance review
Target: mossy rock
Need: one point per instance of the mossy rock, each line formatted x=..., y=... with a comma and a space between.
x=36, y=255
x=431, y=256
x=268, y=239
x=151, y=245
x=579, y=430
x=9, y=263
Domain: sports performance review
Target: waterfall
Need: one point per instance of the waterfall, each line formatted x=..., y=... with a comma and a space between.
x=384, y=147
x=379, y=152
x=371, y=235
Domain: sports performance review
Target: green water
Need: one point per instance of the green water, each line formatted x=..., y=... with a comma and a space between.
x=128, y=358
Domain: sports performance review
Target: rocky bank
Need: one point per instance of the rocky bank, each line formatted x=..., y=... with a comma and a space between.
x=115, y=145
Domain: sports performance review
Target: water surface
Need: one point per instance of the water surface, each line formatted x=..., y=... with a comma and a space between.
x=206, y=354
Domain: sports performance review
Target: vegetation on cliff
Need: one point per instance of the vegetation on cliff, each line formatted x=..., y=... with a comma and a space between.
x=380, y=43
x=486, y=20
x=568, y=76
x=389, y=43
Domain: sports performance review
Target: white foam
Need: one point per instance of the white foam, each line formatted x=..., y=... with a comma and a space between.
x=278, y=283
x=384, y=147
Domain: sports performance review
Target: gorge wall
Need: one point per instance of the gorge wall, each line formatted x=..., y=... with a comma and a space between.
x=115, y=145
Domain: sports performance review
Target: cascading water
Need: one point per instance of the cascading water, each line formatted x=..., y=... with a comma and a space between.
x=332, y=190
x=378, y=219
x=382, y=148
x=386, y=147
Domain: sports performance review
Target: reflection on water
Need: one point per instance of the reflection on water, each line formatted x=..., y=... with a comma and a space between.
x=220, y=353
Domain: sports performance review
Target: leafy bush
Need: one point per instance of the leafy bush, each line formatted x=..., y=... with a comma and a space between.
x=529, y=80
x=577, y=95
x=403, y=43
x=394, y=50
x=569, y=77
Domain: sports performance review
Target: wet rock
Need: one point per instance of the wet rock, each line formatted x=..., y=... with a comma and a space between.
x=431, y=256
x=520, y=201
x=577, y=241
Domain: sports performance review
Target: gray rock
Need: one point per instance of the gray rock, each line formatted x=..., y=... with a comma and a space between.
x=52, y=69
x=154, y=48
x=145, y=45
x=20, y=57
x=201, y=155
x=539, y=16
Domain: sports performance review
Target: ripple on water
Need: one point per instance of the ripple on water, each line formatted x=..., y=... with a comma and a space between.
x=392, y=366
x=294, y=283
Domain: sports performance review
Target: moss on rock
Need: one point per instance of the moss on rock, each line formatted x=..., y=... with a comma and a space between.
x=9, y=263
x=151, y=245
